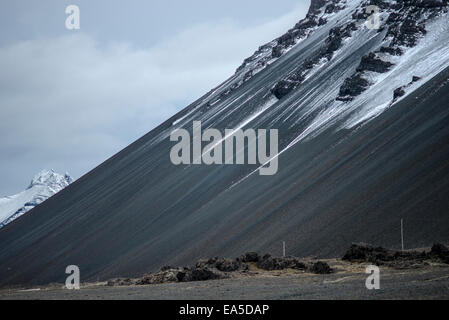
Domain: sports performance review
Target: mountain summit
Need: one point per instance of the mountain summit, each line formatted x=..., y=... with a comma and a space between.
x=45, y=184
x=361, y=110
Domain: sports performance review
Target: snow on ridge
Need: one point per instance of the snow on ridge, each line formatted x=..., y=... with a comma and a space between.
x=43, y=185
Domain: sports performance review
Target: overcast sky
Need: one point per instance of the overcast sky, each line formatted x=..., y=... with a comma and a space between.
x=70, y=99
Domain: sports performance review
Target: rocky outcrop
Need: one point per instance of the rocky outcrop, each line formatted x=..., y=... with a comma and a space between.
x=440, y=252
x=405, y=26
x=172, y=275
x=393, y=258
x=352, y=87
x=333, y=43
x=399, y=92
x=371, y=62
x=221, y=264
x=270, y=263
x=315, y=6
x=320, y=267
x=276, y=48
x=221, y=268
x=356, y=84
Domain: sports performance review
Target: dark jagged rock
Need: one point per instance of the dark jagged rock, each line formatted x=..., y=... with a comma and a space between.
x=120, y=282
x=392, y=258
x=204, y=274
x=409, y=33
x=424, y=3
x=320, y=267
x=322, y=21
x=391, y=50
x=332, y=44
x=197, y=273
x=270, y=263
x=380, y=3
x=356, y=84
x=399, y=92
x=159, y=277
x=276, y=48
x=284, y=87
x=371, y=62
x=335, y=39
x=251, y=257
x=221, y=264
x=367, y=253
x=315, y=6
x=352, y=87
x=230, y=265
x=440, y=251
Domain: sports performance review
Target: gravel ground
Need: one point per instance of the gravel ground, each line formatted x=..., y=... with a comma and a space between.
x=348, y=282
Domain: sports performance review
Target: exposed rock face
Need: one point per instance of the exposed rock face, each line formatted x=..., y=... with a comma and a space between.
x=316, y=5
x=391, y=51
x=284, y=87
x=276, y=48
x=352, y=87
x=405, y=26
x=399, y=92
x=326, y=52
x=356, y=84
x=372, y=63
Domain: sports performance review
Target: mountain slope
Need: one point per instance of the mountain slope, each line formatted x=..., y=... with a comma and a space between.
x=44, y=185
x=363, y=125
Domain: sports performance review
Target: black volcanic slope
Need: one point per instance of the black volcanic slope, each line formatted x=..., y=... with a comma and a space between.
x=137, y=211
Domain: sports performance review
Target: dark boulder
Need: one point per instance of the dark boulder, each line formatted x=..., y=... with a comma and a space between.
x=204, y=274
x=399, y=92
x=251, y=257
x=440, y=251
x=270, y=263
x=221, y=264
x=320, y=267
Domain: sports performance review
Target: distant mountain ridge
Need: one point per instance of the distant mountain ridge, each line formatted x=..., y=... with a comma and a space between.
x=44, y=185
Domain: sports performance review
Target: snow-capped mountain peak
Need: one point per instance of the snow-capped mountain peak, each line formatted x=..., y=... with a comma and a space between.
x=44, y=185
x=51, y=179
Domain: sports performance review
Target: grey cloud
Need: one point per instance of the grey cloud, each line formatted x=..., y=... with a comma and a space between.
x=69, y=102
